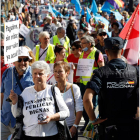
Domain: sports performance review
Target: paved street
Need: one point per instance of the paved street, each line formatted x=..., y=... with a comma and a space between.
x=80, y=135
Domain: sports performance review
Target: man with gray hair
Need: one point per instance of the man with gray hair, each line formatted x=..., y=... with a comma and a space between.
x=44, y=51
x=89, y=52
x=22, y=78
x=61, y=39
x=49, y=27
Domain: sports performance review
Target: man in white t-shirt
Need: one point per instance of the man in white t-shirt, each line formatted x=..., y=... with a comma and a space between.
x=44, y=51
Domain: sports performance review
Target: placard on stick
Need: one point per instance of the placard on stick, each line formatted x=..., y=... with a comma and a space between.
x=11, y=41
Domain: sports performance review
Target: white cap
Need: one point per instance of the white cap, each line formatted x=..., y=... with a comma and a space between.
x=48, y=17
x=23, y=51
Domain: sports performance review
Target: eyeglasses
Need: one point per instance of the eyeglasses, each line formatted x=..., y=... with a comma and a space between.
x=24, y=59
x=102, y=34
x=73, y=49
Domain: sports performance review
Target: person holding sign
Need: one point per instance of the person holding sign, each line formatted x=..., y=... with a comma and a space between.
x=39, y=113
x=60, y=53
x=71, y=95
x=74, y=57
x=93, y=56
x=44, y=51
x=22, y=78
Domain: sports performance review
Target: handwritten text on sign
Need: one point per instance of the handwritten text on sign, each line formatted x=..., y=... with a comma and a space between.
x=11, y=41
x=84, y=67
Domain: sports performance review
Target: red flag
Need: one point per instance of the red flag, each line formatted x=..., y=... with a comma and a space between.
x=131, y=33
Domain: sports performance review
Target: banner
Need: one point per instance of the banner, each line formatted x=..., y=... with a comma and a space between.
x=51, y=80
x=11, y=41
x=44, y=13
x=23, y=30
x=32, y=38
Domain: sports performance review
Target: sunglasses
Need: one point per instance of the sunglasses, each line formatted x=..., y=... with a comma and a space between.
x=24, y=59
x=102, y=34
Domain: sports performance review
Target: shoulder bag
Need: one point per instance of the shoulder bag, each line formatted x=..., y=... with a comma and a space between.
x=63, y=130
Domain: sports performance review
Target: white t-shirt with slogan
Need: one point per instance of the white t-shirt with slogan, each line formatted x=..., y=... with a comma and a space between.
x=39, y=105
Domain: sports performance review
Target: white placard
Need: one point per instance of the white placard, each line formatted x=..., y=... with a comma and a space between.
x=42, y=1
x=51, y=80
x=20, y=9
x=11, y=41
x=23, y=30
x=84, y=67
x=22, y=5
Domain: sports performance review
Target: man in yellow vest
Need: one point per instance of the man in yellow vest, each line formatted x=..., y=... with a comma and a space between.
x=89, y=52
x=61, y=39
x=44, y=51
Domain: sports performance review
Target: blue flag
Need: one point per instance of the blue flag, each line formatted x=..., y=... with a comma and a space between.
x=107, y=7
x=94, y=8
x=118, y=16
x=56, y=12
x=82, y=13
x=98, y=17
x=77, y=5
x=51, y=10
x=88, y=15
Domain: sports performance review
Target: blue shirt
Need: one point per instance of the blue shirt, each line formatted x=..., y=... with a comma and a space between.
x=26, y=81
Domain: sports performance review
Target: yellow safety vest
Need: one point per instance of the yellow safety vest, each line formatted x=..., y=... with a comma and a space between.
x=49, y=53
x=85, y=79
x=53, y=60
x=66, y=44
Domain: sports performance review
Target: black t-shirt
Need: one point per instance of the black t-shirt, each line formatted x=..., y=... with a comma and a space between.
x=101, y=48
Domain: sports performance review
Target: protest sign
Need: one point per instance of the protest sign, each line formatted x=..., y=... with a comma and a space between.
x=51, y=80
x=44, y=13
x=23, y=30
x=84, y=67
x=31, y=10
x=11, y=40
x=32, y=38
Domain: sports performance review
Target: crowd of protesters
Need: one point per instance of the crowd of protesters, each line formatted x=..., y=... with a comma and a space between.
x=63, y=40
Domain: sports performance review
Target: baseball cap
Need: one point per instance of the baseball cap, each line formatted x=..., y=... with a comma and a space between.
x=23, y=51
x=101, y=30
x=114, y=43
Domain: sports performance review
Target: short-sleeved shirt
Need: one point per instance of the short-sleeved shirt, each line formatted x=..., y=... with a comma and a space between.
x=6, y=86
x=72, y=58
x=96, y=80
